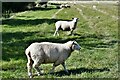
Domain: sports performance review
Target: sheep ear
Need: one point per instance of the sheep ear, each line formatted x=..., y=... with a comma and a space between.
x=77, y=18
x=73, y=42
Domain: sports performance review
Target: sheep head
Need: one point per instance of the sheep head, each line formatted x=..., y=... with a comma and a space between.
x=73, y=45
x=75, y=19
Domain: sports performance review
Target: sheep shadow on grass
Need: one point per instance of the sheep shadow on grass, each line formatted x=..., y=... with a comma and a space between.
x=18, y=22
x=76, y=71
x=79, y=71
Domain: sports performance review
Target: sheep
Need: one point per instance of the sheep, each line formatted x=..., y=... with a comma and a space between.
x=67, y=6
x=65, y=26
x=94, y=7
x=48, y=52
x=64, y=6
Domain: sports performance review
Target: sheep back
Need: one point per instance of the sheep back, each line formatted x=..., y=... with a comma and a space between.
x=49, y=52
x=65, y=25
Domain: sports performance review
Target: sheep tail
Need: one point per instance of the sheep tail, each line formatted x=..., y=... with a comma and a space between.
x=28, y=54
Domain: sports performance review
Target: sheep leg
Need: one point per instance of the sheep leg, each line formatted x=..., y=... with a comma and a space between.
x=63, y=64
x=29, y=66
x=54, y=65
x=36, y=67
x=52, y=71
x=71, y=31
x=56, y=32
x=29, y=70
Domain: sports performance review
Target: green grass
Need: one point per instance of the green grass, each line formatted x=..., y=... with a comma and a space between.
x=98, y=38
x=111, y=9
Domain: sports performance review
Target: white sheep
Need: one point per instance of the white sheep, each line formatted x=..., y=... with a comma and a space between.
x=46, y=52
x=66, y=26
x=94, y=7
x=62, y=6
x=67, y=6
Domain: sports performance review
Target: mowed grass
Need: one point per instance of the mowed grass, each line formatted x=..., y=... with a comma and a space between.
x=97, y=35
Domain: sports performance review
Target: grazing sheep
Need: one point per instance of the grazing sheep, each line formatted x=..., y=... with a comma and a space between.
x=67, y=6
x=66, y=26
x=64, y=6
x=46, y=52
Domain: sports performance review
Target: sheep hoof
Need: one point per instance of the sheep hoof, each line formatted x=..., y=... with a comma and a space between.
x=39, y=73
x=30, y=76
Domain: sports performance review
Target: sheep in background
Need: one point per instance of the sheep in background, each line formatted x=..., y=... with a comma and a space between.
x=94, y=7
x=67, y=6
x=46, y=52
x=64, y=6
x=66, y=26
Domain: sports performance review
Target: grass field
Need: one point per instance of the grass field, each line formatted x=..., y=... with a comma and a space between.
x=96, y=32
